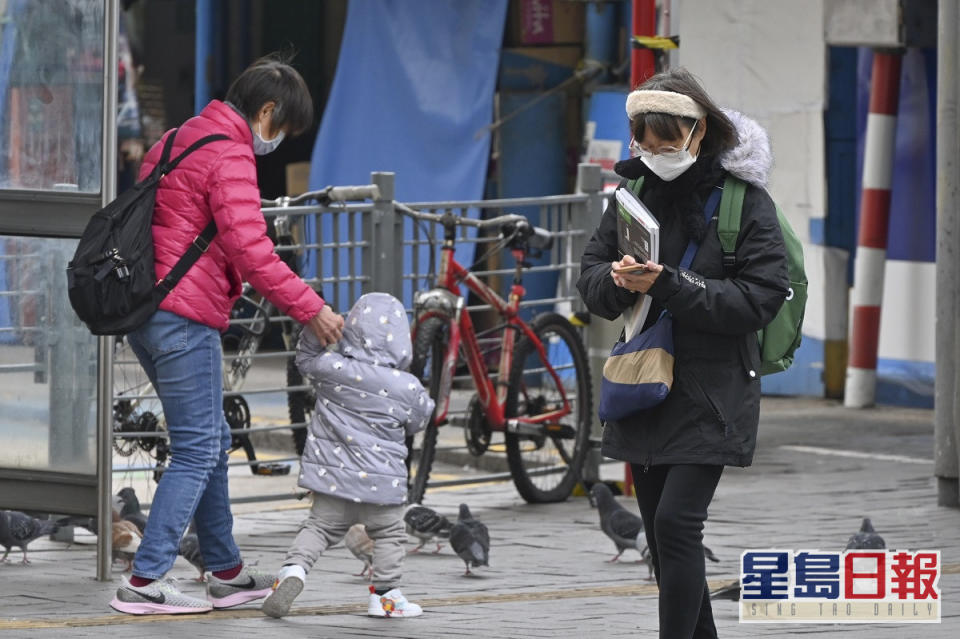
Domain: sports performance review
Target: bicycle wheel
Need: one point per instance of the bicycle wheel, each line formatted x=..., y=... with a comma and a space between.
x=428, y=351
x=546, y=466
x=138, y=423
x=299, y=405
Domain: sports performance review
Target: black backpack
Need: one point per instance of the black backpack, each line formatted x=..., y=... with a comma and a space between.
x=111, y=280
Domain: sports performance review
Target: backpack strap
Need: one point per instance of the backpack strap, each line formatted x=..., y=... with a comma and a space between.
x=172, y=164
x=708, y=208
x=158, y=171
x=728, y=219
x=200, y=243
x=197, y=248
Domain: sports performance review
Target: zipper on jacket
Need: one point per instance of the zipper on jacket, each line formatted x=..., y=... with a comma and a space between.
x=712, y=404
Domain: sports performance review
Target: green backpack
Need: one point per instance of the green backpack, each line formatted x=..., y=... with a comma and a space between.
x=780, y=338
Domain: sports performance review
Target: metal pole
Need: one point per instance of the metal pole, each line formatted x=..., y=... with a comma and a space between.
x=946, y=407
x=386, y=273
x=595, y=336
x=108, y=192
x=870, y=262
x=644, y=22
x=203, y=54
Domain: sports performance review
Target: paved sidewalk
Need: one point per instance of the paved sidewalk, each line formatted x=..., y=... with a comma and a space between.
x=818, y=470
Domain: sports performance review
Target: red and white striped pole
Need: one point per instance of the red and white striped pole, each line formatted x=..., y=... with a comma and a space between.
x=871, y=257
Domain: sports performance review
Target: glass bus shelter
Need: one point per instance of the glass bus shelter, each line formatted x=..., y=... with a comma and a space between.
x=58, y=106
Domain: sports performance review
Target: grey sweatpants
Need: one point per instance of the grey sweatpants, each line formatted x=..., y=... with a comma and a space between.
x=328, y=522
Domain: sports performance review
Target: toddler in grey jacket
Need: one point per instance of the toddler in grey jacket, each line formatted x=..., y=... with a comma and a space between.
x=354, y=458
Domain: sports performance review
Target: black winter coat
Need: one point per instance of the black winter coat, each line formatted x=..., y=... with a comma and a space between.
x=712, y=412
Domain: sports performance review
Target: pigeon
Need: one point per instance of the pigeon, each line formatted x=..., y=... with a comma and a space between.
x=709, y=555
x=426, y=524
x=130, y=510
x=729, y=591
x=125, y=540
x=616, y=522
x=646, y=557
x=470, y=540
x=19, y=529
x=866, y=538
x=190, y=550
x=359, y=543
x=87, y=523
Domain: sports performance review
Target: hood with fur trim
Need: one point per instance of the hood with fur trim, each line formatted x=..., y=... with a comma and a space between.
x=752, y=159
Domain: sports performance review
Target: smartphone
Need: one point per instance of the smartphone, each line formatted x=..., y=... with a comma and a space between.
x=631, y=268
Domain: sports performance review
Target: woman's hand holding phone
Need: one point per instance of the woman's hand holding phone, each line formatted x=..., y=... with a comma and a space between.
x=630, y=268
x=634, y=276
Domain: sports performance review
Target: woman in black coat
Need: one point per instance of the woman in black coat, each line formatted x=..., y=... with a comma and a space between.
x=686, y=146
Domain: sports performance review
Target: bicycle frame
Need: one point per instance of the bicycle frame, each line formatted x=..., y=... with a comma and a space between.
x=445, y=302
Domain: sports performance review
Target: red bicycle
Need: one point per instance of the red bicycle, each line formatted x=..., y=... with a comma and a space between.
x=539, y=396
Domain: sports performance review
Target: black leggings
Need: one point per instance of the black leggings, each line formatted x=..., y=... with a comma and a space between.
x=673, y=503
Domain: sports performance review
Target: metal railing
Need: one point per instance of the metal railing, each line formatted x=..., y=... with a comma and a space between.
x=347, y=250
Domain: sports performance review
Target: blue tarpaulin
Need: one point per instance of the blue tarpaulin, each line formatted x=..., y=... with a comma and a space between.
x=414, y=84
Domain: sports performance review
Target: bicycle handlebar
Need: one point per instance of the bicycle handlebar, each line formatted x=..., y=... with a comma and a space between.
x=328, y=195
x=460, y=221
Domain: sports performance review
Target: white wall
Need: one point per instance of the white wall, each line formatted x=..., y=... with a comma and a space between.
x=767, y=58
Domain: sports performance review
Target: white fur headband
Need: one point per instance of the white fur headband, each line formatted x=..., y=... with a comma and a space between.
x=663, y=102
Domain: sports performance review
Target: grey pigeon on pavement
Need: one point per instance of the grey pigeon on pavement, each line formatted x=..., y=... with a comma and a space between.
x=426, y=524
x=645, y=556
x=18, y=529
x=866, y=538
x=359, y=543
x=470, y=539
x=190, y=550
x=87, y=523
x=130, y=510
x=709, y=554
x=616, y=522
x=729, y=591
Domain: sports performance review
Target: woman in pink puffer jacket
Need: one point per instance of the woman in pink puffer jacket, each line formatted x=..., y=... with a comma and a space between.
x=179, y=346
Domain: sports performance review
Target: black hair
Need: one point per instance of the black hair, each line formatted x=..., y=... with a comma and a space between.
x=721, y=135
x=271, y=78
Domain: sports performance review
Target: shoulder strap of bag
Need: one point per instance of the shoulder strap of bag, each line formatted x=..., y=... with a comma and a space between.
x=728, y=219
x=172, y=164
x=636, y=185
x=165, y=154
x=708, y=209
x=200, y=243
x=197, y=248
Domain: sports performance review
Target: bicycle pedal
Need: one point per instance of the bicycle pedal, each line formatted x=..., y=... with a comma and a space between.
x=272, y=468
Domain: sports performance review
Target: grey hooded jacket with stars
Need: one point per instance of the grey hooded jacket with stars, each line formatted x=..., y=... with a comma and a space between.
x=366, y=405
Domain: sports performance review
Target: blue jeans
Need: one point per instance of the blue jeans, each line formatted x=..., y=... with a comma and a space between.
x=183, y=360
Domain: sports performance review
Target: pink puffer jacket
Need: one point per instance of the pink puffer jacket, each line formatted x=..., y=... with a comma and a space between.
x=219, y=180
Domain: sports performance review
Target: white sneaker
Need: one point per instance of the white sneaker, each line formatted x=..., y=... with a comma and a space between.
x=288, y=585
x=392, y=604
x=160, y=597
x=251, y=584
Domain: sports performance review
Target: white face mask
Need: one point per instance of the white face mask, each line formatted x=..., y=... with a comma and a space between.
x=261, y=146
x=668, y=165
